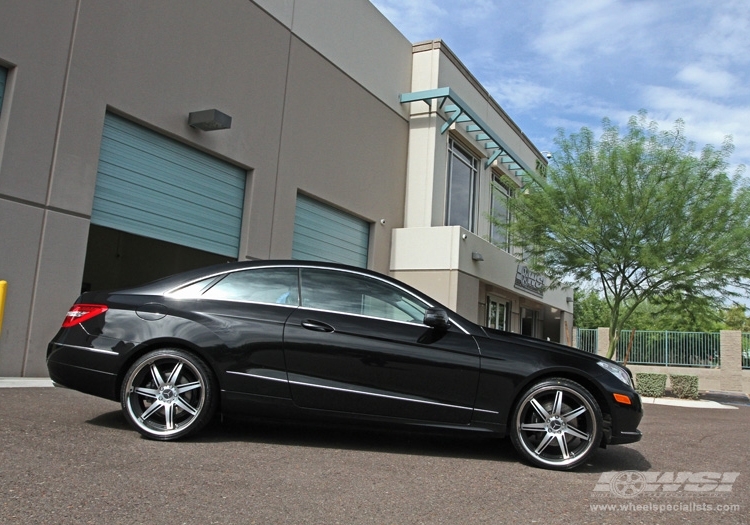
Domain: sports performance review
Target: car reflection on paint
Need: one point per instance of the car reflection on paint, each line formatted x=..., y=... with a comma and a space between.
x=293, y=339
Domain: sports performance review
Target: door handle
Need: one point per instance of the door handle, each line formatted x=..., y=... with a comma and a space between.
x=316, y=326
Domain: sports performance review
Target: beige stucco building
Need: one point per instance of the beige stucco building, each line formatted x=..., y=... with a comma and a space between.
x=346, y=142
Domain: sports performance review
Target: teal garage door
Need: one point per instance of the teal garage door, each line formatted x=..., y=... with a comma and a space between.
x=324, y=233
x=3, y=77
x=150, y=185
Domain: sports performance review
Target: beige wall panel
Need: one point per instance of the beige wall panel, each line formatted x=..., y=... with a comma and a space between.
x=419, y=185
x=427, y=173
x=281, y=10
x=467, y=296
x=58, y=284
x=425, y=74
x=359, y=40
x=437, y=284
x=343, y=146
x=456, y=290
x=19, y=246
x=426, y=248
x=144, y=60
x=34, y=42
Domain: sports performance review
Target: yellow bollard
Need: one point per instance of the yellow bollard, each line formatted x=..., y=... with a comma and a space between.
x=3, y=290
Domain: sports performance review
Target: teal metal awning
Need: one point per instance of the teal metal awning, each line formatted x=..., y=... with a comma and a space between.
x=458, y=112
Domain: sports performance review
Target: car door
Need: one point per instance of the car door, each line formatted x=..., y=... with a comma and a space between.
x=247, y=310
x=357, y=344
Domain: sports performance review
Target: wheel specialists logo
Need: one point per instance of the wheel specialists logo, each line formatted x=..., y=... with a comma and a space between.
x=632, y=483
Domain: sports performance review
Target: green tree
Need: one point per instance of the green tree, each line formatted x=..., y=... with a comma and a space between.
x=735, y=319
x=589, y=309
x=699, y=316
x=643, y=216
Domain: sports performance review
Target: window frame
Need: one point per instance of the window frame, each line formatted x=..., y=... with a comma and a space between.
x=459, y=153
x=365, y=301
x=498, y=185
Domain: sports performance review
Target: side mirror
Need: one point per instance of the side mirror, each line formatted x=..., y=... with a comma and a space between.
x=437, y=318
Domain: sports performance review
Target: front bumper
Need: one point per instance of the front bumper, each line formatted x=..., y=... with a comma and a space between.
x=621, y=425
x=626, y=437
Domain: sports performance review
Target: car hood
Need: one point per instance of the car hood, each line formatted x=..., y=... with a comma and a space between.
x=511, y=337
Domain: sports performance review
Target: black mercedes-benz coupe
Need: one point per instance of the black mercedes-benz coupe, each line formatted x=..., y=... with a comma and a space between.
x=295, y=339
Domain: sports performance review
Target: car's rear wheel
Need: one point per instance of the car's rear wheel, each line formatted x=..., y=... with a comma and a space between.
x=557, y=424
x=168, y=394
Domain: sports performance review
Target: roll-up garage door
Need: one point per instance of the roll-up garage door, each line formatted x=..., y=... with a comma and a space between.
x=3, y=77
x=324, y=233
x=150, y=185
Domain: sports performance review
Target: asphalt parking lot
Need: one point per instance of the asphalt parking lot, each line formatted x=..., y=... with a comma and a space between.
x=66, y=457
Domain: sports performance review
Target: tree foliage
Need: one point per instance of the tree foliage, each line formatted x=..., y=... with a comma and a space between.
x=735, y=318
x=591, y=311
x=643, y=216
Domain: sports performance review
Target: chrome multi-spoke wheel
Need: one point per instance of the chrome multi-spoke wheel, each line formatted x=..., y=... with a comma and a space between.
x=557, y=424
x=168, y=394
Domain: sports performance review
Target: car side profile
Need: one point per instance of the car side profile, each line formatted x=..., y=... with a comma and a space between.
x=311, y=340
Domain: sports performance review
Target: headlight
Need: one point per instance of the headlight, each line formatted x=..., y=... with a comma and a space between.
x=617, y=371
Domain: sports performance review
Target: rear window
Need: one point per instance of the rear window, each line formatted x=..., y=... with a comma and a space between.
x=262, y=285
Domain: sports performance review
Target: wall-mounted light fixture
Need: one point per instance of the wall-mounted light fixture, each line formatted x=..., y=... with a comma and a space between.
x=568, y=299
x=476, y=256
x=209, y=120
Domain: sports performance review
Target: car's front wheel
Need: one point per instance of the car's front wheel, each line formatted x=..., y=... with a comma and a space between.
x=557, y=424
x=168, y=394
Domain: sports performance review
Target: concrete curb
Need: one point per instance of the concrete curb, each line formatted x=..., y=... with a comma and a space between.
x=25, y=382
x=690, y=403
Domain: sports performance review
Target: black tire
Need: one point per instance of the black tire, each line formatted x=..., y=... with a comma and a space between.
x=557, y=424
x=168, y=394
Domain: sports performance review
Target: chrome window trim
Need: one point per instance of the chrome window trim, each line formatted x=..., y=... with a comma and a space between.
x=299, y=305
x=385, y=281
x=407, y=323
x=222, y=274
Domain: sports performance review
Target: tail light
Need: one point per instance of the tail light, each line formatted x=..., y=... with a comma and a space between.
x=79, y=313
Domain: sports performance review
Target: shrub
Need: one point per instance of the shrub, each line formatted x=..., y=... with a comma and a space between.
x=684, y=386
x=651, y=385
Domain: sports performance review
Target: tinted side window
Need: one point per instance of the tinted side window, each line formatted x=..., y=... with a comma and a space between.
x=262, y=285
x=351, y=293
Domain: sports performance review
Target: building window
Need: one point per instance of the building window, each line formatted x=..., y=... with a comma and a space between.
x=462, y=187
x=500, y=211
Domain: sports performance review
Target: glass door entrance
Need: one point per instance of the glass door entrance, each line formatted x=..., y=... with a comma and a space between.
x=498, y=313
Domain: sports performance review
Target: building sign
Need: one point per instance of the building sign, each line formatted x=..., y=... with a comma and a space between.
x=529, y=281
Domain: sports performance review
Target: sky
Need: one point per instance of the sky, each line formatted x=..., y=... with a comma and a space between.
x=554, y=64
